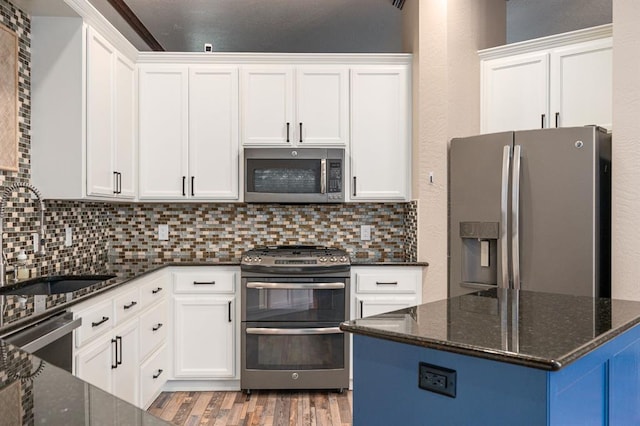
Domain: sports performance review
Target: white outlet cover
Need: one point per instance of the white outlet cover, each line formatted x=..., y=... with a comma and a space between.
x=365, y=232
x=68, y=236
x=36, y=242
x=163, y=232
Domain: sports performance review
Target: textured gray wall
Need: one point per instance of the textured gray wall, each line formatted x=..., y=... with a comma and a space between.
x=527, y=19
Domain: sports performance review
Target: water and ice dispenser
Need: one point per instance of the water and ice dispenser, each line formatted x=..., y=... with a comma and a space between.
x=480, y=252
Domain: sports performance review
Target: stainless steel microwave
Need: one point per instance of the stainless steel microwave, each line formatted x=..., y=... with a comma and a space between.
x=293, y=175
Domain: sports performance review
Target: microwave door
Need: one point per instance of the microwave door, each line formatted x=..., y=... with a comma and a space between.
x=288, y=180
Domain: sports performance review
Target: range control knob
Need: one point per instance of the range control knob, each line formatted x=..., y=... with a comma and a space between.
x=247, y=259
x=323, y=259
x=343, y=259
x=333, y=259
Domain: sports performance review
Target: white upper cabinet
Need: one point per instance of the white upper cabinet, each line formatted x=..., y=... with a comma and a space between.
x=164, y=131
x=295, y=106
x=557, y=81
x=380, y=133
x=83, y=136
x=188, y=121
x=213, y=133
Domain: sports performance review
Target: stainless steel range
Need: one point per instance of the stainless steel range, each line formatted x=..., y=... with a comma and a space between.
x=293, y=301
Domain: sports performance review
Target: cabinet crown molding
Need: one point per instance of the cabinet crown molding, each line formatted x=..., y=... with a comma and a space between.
x=274, y=58
x=556, y=40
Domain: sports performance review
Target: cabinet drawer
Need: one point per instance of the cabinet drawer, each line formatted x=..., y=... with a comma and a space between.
x=153, y=374
x=154, y=290
x=127, y=305
x=381, y=281
x=209, y=281
x=96, y=320
x=153, y=329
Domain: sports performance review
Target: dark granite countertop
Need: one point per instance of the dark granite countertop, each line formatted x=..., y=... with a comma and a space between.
x=539, y=330
x=358, y=262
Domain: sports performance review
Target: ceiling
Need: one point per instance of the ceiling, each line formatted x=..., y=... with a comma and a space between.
x=264, y=25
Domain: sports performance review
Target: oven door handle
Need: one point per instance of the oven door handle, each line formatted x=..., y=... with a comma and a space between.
x=294, y=331
x=295, y=286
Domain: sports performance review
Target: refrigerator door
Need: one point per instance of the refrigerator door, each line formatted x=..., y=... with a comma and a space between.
x=558, y=214
x=478, y=197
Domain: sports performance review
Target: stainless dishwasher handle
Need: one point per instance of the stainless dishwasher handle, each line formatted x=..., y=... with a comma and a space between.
x=295, y=286
x=294, y=331
x=39, y=335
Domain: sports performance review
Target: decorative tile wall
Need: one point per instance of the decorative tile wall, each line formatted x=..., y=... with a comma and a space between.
x=411, y=231
x=224, y=231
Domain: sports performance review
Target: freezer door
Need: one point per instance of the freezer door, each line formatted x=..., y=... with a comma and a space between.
x=478, y=211
x=558, y=210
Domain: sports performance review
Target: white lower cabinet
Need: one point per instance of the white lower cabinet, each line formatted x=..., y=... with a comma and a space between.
x=111, y=363
x=367, y=305
x=205, y=326
x=204, y=341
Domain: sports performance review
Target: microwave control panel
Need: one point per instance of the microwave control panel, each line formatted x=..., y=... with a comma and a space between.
x=335, y=176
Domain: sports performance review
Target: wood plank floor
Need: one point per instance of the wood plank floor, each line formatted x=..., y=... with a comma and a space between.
x=279, y=408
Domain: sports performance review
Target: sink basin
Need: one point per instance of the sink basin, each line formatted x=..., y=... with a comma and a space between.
x=53, y=285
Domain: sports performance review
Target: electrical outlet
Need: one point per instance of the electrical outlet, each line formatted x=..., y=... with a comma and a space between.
x=36, y=242
x=163, y=232
x=365, y=232
x=437, y=379
x=68, y=236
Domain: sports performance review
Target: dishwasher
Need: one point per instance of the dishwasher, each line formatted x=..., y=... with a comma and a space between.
x=50, y=339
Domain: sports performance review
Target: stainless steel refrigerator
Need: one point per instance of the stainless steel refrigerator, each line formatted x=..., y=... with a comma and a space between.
x=531, y=210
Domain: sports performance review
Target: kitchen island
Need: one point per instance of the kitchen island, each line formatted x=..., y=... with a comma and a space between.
x=499, y=357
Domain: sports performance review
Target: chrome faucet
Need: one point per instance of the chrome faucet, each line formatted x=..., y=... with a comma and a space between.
x=5, y=196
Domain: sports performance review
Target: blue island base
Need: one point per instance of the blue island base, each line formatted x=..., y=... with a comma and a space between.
x=601, y=388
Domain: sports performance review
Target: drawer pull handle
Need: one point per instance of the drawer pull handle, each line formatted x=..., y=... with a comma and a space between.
x=387, y=283
x=130, y=305
x=204, y=283
x=155, y=376
x=157, y=327
x=156, y=291
x=102, y=321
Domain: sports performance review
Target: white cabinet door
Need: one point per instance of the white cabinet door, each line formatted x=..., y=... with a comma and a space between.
x=100, y=108
x=267, y=106
x=213, y=133
x=380, y=133
x=124, y=130
x=94, y=363
x=322, y=106
x=581, y=84
x=515, y=94
x=204, y=343
x=126, y=375
x=163, y=131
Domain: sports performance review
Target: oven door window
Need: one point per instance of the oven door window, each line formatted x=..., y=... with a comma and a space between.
x=284, y=176
x=295, y=300
x=291, y=346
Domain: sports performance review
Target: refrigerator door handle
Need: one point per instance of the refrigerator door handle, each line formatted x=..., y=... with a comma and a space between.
x=515, y=217
x=504, y=216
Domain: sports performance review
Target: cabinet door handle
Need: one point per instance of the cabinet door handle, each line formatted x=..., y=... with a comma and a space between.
x=102, y=321
x=119, y=346
x=156, y=291
x=193, y=179
x=130, y=305
x=361, y=309
x=157, y=327
x=184, y=181
x=542, y=117
x=119, y=182
x=300, y=132
x=354, y=186
x=115, y=182
x=155, y=376
x=204, y=283
x=387, y=283
x=114, y=364
x=557, y=119
x=229, y=311
x=288, y=124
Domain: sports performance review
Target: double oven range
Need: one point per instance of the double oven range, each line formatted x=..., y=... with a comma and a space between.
x=293, y=301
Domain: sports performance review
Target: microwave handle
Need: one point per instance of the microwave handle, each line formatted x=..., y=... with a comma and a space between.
x=323, y=176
